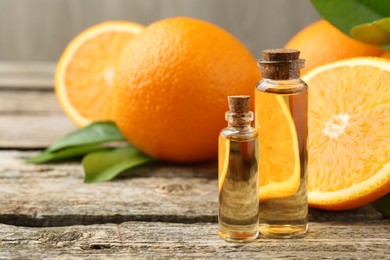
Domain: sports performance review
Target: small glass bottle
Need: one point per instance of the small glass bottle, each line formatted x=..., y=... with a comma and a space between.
x=281, y=103
x=238, y=215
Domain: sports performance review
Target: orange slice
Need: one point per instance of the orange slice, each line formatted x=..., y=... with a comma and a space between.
x=279, y=163
x=223, y=159
x=349, y=133
x=85, y=72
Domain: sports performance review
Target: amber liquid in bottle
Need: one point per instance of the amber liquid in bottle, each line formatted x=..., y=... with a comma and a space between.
x=286, y=216
x=238, y=214
x=281, y=105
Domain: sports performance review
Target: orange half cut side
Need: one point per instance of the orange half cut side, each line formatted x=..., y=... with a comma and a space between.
x=85, y=73
x=349, y=138
x=279, y=164
x=223, y=160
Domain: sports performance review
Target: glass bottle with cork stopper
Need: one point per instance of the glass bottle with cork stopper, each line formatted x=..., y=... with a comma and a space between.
x=238, y=214
x=281, y=103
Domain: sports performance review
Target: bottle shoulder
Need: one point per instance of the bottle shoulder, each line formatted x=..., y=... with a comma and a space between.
x=293, y=86
x=239, y=135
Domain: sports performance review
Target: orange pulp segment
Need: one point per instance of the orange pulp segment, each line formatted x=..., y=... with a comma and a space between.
x=279, y=164
x=223, y=159
x=85, y=72
x=349, y=133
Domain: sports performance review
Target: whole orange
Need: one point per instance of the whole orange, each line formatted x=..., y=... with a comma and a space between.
x=172, y=84
x=321, y=43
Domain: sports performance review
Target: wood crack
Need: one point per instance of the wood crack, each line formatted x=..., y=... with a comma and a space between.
x=73, y=220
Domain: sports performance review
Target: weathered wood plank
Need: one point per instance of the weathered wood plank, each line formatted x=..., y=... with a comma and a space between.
x=31, y=119
x=199, y=240
x=16, y=102
x=32, y=131
x=30, y=75
x=55, y=195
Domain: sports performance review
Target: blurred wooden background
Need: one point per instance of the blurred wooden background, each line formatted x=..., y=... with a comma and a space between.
x=38, y=30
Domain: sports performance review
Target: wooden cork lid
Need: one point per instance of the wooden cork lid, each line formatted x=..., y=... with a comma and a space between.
x=280, y=55
x=239, y=104
x=281, y=64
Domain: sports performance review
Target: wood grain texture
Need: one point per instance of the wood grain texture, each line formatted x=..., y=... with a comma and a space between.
x=145, y=240
x=32, y=131
x=27, y=75
x=15, y=101
x=31, y=119
x=39, y=30
x=55, y=195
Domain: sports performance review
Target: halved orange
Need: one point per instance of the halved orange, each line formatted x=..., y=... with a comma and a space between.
x=279, y=163
x=349, y=133
x=85, y=72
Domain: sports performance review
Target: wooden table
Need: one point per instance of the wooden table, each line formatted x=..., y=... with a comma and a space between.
x=166, y=211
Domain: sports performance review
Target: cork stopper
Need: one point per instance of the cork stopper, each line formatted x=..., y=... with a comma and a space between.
x=239, y=114
x=238, y=104
x=280, y=55
x=281, y=64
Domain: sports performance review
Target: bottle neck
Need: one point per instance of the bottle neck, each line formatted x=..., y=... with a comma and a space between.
x=292, y=81
x=240, y=121
x=290, y=86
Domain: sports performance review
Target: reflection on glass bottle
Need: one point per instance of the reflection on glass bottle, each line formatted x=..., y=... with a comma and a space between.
x=281, y=101
x=238, y=214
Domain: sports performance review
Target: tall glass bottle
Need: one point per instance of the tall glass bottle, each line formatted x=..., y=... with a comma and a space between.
x=281, y=103
x=238, y=215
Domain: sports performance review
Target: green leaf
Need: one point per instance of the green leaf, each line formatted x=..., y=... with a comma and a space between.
x=105, y=165
x=377, y=32
x=67, y=153
x=94, y=133
x=346, y=14
x=383, y=205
